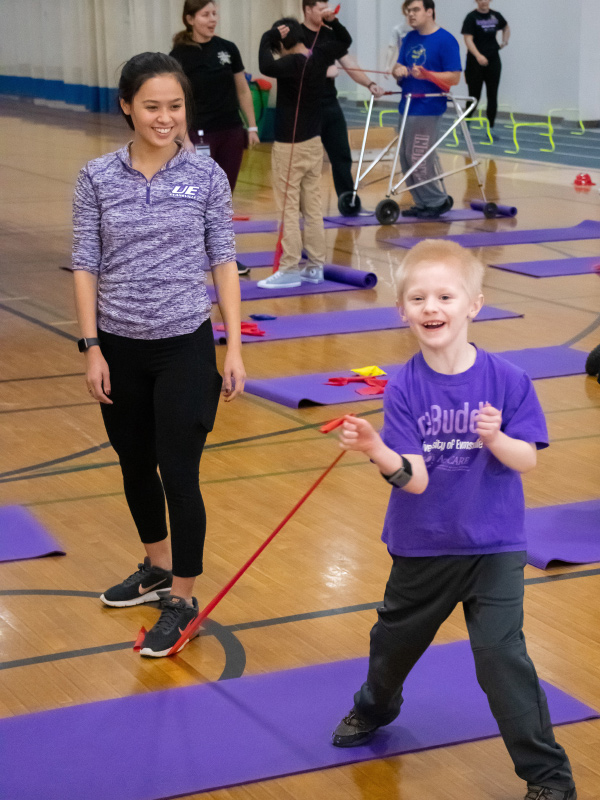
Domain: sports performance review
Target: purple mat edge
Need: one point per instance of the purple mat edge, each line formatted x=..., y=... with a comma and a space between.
x=47, y=545
x=536, y=559
x=533, y=269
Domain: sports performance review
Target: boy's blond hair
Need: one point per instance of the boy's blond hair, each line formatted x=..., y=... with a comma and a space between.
x=470, y=267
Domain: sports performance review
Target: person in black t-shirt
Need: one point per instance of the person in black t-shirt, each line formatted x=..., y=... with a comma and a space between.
x=480, y=29
x=335, y=131
x=215, y=69
x=297, y=155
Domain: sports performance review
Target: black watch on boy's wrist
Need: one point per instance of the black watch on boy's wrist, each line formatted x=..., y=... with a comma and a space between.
x=401, y=477
x=85, y=344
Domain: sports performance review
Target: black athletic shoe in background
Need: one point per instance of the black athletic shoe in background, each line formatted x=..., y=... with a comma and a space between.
x=411, y=212
x=173, y=623
x=437, y=211
x=242, y=270
x=140, y=587
x=544, y=793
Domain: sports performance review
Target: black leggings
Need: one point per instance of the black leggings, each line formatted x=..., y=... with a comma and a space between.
x=476, y=76
x=334, y=135
x=165, y=394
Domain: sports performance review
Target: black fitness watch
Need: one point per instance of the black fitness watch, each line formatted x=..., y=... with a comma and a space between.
x=402, y=476
x=85, y=344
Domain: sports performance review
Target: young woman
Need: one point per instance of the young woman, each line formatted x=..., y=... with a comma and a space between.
x=480, y=29
x=215, y=69
x=145, y=217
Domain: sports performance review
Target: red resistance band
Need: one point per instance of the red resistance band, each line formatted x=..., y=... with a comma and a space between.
x=246, y=328
x=192, y=627
x=427, y=75
x=374, y=386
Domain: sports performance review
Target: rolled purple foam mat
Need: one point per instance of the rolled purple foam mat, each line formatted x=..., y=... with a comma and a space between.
x=501, y=211
x=352, y=277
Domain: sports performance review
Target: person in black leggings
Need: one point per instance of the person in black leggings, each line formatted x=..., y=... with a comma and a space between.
x=145, y=219
x=480, y=30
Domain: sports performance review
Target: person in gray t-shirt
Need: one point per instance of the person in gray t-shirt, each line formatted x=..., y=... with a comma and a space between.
x=145, y=220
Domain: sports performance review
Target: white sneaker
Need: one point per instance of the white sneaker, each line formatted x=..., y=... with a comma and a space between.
x=312, y=275
x=281, y=280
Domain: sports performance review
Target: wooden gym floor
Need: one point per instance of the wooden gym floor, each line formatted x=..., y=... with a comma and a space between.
x=58, y=650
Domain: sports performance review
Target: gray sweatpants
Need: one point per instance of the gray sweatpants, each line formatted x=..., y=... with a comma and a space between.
x=421, y=593
x=419, y=134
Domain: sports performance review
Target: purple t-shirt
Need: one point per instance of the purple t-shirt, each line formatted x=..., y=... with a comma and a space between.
x=148, y=240
x=473, y=503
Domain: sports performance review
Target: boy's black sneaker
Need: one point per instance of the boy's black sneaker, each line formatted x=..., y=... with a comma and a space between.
x=353, y=731
x=172, y=626
x=140, y=587
x=410, y=212
x=242, y=269
x=544, y=793
x=437, y=211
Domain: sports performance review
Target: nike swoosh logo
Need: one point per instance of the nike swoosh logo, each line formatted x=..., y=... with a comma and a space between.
x=144, y=590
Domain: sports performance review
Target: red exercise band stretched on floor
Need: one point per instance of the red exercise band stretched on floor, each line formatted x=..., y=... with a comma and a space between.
x=193, y=626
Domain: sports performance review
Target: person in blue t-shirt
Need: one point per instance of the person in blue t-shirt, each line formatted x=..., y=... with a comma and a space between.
x=431, y=47
x=461, y=425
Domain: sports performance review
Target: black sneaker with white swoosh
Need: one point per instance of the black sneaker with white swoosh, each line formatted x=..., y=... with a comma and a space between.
x=142, y=586
x=174, y=628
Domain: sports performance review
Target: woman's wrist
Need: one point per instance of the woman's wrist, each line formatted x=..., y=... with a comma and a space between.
x=252, y=129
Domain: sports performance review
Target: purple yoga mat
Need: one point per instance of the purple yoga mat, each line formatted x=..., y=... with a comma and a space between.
x=300, y=326
x=362, y=220
x=22, y=536
x=301, y=390
x=588, y=229
x=267, y=225
x=552, y=268
x=337, y=279
x=250, y=290
x=455, y=215
x=501, y=211
x=569, y=533
x=261, y=258
x=202, y=738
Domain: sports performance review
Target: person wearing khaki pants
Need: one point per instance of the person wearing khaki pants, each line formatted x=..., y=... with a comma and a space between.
x=304, y=193
x=297, y=155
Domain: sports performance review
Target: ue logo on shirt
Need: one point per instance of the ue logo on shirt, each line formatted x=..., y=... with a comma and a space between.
x=185, y=191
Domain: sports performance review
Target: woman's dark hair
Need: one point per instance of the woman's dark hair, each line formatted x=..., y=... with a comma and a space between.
x=144, y=66
x=294, y=37
x=190, y=9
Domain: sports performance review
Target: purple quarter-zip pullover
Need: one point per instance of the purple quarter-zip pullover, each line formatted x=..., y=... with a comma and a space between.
x=147, y=241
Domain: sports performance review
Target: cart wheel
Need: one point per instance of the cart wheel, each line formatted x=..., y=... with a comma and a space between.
x=490, y=210
x=387, y=212
x=349, y=204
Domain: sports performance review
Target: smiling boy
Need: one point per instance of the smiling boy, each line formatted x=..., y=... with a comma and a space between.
x=460, y=427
